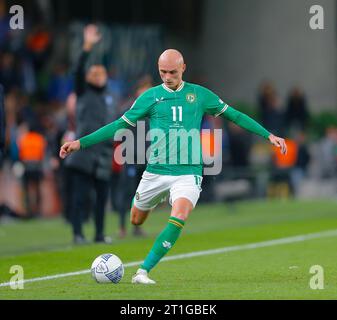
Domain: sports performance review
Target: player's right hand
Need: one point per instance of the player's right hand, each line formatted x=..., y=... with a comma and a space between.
x=69, y=147
x=278, y=142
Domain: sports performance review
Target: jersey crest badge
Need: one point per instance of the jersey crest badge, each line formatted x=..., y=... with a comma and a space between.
x=190, y=97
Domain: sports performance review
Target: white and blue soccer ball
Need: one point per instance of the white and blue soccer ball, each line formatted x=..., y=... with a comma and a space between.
x=107, y=268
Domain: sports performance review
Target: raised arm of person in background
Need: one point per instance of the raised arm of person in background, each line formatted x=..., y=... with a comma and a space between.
x=91, y=36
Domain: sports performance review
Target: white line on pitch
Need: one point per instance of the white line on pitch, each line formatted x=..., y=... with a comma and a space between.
x=299, y=238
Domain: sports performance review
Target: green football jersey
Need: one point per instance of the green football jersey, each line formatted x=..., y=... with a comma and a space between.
x=175, y=120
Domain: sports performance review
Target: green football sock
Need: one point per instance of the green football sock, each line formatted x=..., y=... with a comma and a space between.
x=163, y=243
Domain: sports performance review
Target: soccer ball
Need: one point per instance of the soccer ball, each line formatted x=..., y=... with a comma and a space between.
x=107, y=268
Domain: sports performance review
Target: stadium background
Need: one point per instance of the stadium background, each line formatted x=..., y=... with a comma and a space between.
x=251, y=53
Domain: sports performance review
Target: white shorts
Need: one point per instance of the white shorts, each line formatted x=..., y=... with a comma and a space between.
x=154, y=189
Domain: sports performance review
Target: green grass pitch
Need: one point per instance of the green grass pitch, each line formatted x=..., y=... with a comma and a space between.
x=44, y=248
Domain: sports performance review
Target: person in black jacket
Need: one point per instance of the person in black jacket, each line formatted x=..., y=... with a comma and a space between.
x=297, y=113
x=91, y=168
x=2, y=124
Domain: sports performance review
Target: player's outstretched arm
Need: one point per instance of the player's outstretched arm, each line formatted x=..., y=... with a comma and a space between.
x=105, y=133
x=246, y=122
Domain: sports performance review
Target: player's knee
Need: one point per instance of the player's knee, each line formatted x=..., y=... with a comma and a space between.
x=134, y=218
x=137, y=217
x=181, y=215
x=181, y=209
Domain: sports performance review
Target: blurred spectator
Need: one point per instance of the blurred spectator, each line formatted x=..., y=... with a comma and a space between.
x=116, y=169
x=17, y=72
x=282, y=166
x=63, y=175
x=39, y=45
x=210, y=151
x=91, y=168
x=301, y=166
x=125, y=178
x=123, y=186
x=29, y=85
x=71, y=113
x=2, y=125
x=9, y=72
x=266, y=92
x=116, y=84
x=272, y=117
x=25, y=112
x=32, y=148
x=143, y=83
x=239, y=146
x=12, y=125
x=297, y=114
x=60, y=84
x=286, y=161
x=4, y=25
x=328, y=153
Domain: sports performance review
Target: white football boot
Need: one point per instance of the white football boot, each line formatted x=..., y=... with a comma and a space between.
x=142, y=277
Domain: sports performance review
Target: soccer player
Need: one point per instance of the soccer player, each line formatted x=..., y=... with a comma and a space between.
x=173, y=105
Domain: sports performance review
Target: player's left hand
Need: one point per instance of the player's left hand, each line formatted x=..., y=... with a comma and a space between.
x=278, y=142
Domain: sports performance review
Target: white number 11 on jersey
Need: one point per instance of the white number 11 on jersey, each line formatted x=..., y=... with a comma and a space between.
x=180, y=110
